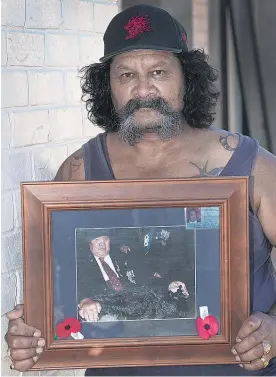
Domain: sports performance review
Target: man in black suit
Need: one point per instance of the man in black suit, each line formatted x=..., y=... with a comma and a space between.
x=105, y=272
x=129, y=282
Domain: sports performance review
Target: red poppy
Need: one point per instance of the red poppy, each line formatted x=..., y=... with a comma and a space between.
x=207, y=327
x=69, y=325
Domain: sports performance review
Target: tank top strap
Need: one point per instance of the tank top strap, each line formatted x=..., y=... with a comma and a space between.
x=95, y=165
x=242, y=163
x=243, y=159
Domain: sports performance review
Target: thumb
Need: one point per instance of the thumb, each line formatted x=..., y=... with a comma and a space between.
x=16, y=313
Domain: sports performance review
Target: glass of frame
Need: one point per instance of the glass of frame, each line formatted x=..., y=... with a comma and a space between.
x=113, y=270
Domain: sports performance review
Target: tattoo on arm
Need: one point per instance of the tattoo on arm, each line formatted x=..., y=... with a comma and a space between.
x=75, y=164
x=224, y=140
x=204, y=172
x=69, y=167
x=79, y=156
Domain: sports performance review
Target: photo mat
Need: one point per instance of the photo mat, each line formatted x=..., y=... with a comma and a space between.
x=142, y=231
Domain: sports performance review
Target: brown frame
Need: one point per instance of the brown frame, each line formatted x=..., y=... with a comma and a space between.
x=39, y=199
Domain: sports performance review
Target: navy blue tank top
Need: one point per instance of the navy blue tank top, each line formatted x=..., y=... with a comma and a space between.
x=263, y=278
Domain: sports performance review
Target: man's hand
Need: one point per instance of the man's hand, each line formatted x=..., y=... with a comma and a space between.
x=125, y=249
x=24, y=342
x=90, y=310
x=174, y=286
x=258, y=328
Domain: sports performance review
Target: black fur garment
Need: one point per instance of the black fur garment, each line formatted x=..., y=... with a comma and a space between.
x=140, y=303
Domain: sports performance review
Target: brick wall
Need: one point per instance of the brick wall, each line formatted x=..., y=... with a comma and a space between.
x=44, y=42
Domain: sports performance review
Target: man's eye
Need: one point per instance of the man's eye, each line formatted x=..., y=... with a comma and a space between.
x=126, y=75
x=158, y=72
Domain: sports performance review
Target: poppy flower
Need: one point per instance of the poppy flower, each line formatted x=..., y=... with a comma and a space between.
x=207, y=327
x=69, y=325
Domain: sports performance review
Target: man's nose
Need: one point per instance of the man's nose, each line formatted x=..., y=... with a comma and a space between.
x=145, y=88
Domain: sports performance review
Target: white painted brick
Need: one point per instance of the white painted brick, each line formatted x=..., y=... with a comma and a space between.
x=43, y=14
x=17, y=208
x=13, y=12
x=3, y=48
x=73, y=147
x=47, y=160
x=91, y=49
x=25, y=49
x=72, y=87
x=14, y=88
x=46, y=88
x=16, y=167
x=5, y=131
x=85, y=16
x=30, y=128
x=11, y=253
x=103, y=14
x=89, y=129
x=69, y=12
x=8, y=289
x=7, y=218
x=79, y=372
x=65, y=124
x=62, y=50
x=78, y=15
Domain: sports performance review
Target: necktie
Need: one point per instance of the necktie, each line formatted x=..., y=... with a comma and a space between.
x=113, y=278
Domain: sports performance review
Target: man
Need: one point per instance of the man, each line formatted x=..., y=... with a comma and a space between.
x=104, y=270
x=192, y=217
x=112, y=274
x=155, y=100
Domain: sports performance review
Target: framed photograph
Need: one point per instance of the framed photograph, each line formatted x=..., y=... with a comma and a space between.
x=136, y=273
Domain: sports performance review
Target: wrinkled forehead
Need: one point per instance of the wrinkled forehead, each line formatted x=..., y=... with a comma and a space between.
x=145, y=57
x=100, y=239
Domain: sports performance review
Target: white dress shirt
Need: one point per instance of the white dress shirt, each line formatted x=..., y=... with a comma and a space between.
x=108, y=260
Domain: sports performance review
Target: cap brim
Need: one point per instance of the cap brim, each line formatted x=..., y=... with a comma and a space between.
x=140, y=47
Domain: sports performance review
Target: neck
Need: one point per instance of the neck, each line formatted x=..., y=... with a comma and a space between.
x=151, y=146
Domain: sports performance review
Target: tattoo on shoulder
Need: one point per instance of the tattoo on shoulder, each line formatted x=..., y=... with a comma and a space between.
x=78, y=156
x=75, y=165
x=204, y=172
x=226, y=142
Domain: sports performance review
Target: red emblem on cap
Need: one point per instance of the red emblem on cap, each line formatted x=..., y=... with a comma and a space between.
x=184, y=37
x=137, y=25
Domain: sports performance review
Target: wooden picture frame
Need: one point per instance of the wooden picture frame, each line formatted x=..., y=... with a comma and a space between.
x=42, y=200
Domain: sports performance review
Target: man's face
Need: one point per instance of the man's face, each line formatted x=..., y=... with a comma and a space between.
x=100, y=246
x=192, y=216
x=147, y=88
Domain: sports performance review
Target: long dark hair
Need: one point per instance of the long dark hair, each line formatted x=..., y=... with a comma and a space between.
x=200, y=96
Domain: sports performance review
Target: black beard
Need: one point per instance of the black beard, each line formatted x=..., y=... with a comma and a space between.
x=166, y=128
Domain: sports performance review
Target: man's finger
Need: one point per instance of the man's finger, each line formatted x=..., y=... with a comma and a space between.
x=25, y=365
x=22, y=354
x=251, y=341
x=25, y=342
x=92, y=315
x=253, y=354
x=254, y=365
x=16, y=313
x=249, y=326
x=19, y=327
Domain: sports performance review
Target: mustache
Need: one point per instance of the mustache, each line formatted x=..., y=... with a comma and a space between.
x=133, y=105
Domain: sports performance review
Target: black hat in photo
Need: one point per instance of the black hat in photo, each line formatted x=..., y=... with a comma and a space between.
x=143, y=27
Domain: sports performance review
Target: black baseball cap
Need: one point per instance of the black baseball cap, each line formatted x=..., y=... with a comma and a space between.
x=143, y=27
